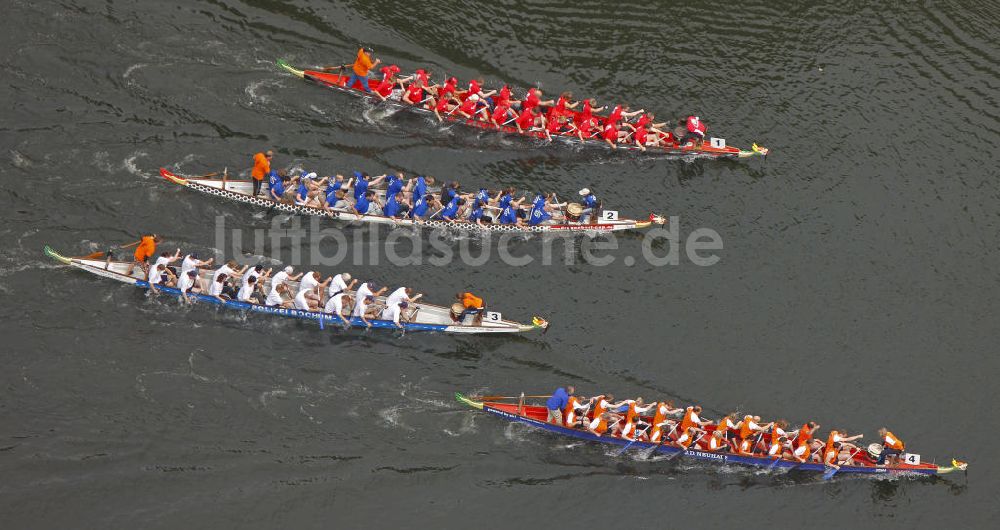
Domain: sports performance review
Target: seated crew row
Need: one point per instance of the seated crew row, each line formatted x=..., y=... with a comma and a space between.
x=335, y=295
x=529, y=114
x=412, y=198
x=661, y=423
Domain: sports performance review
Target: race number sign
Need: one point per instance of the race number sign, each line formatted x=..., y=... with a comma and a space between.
x=911, y=458
x=493, y=316
x=609, y=215
x=719, y=143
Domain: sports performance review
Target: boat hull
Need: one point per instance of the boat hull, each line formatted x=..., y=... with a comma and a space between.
x=97, y=267
x=339, y=82
x=238, y=191
x=536, y=416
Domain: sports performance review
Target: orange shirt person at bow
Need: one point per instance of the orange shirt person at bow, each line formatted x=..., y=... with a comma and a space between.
x=261, y=167
x=145, y=248
x=359, y=69
x=473, y=306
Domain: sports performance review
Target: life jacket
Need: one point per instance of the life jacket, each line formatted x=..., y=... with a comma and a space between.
x=661, y=413
x=687, y=422
x=831, y=445
x=569, y=413
x=805, y=434
x=776, y=434
x=599, y=407
x=745, y=431
x=602, y=425
x=714, y=444
x=892, y=442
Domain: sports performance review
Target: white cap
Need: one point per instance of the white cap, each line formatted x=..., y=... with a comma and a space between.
x=311, y=175
x=474, y=97
x=288, y=269
x=346, y=276
x=584, y=192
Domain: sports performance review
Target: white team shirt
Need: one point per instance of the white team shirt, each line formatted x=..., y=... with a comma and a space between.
x=225, y=269
x=277, y=280
x=186, y=282
x=308, y=282
x=251, y=273
x=189, y=263
x=392, y=312
x=301, y=302
x=274, y=298
x=360, y=307
x=397, y=296
x=156, y=276
x=159, y=260
x=215, y=289
x=245, y=292
x=338, y=284
x=335, y=304
x=364, y=291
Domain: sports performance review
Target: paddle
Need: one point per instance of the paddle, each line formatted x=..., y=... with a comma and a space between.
x=512, y=397
x=833, y=471
x=683, y=450
x=631, y=442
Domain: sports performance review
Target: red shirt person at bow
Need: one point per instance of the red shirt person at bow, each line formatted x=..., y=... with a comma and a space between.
x=695, y=130
x=261, y=167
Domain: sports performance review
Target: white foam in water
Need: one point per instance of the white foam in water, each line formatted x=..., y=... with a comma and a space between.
x=130, y=165
x=391, y=418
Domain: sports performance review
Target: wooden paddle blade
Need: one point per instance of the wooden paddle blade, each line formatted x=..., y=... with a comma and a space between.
x=95, y=255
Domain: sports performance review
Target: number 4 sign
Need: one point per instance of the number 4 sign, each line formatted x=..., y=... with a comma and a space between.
x=911, y=458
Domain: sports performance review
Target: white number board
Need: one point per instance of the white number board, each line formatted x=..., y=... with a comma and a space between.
x=719, y=143
x=911, y=458
x=493, y=316
x=609, y=215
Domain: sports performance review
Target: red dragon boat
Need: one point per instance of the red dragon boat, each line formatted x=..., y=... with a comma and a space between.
x=711, y=148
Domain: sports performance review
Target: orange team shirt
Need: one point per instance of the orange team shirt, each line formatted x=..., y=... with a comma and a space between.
x=261, y=166
x=471, y=301
x=146, y=248
x=362, y=64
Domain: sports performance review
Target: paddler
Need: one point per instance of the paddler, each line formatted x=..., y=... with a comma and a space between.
x=589, y=203
x=575, y=412
x=557, y=402
x=526, y=119
x=414, y=94
x=145, y=248
x=891, y=447
x=661, y=420
x=384, y=88
x=629, y=429
x=836, y=443
x=261, y=167
x=803, y=444
x=750, y=433
x=160, y=274
x=691, y=425
x=777, y=439
x=694, y=131
x=188, y=284
x=397, y=314
x=359, y=69
x=533, y=99
x=473, y=305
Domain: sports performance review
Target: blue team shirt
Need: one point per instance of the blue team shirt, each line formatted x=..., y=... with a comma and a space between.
x=277, y=187
x=538, y=216
x=391, y=208
x=420, y=188
x=504, y=201
x=360, y=186
x=303, y=192
x=508, y=216
x=420, y=207
x=395, y=184
x=476, y=214
x=483, y=195
x=558, y=400
x=590, y=201
x=451, y=210
x=362, y=204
